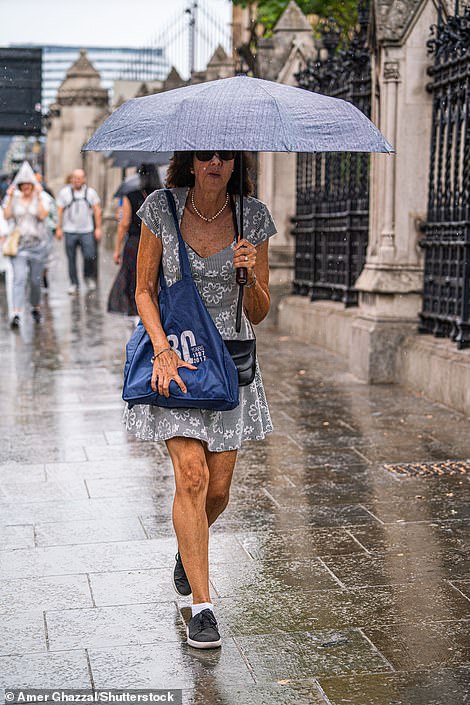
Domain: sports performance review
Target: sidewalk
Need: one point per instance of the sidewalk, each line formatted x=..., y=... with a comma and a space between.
x=335, y=580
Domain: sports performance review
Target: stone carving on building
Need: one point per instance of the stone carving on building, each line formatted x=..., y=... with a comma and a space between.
x=393, y=18
x=292, y=39
x=82, y=85
x=391, y=71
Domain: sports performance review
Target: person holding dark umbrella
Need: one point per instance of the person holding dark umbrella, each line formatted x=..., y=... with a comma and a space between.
x=122, y=295
x=202, y=444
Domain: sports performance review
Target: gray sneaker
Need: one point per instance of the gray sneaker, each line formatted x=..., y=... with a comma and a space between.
x=202, y=631
x=180, y=580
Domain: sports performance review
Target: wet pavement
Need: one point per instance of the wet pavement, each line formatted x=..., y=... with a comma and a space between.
x=335, y=582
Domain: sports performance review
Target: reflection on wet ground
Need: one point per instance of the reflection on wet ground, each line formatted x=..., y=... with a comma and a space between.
x=334, y=581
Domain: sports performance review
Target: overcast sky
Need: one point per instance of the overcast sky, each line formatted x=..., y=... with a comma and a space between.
x=94, y=22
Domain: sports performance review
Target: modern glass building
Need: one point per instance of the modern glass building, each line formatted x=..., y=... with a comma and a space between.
x=147, y=63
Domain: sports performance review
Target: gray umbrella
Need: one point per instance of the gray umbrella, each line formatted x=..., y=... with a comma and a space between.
x=238, y=113
x=241, y=114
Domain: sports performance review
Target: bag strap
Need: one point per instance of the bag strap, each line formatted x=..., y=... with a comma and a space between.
x=76, y=200
x=185, y=267
x=238, y=322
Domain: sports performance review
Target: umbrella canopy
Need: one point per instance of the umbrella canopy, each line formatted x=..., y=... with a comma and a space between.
x=130, y=183
x=238, y=113
x=127, y=159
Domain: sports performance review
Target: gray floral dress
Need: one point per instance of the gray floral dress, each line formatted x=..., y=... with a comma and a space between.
x=214, y=277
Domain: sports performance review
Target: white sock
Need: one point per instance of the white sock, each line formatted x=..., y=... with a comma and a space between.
x=195, y=609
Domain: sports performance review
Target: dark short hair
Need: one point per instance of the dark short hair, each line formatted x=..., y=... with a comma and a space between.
x=179, y=172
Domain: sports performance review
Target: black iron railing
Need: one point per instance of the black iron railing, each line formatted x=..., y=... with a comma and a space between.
x=446, y=243
x=332, y=213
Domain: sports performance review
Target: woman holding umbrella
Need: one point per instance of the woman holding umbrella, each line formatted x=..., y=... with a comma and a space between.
x=235, y=113
x=202, y=444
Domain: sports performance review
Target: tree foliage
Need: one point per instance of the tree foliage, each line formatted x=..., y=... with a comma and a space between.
x=344, y=12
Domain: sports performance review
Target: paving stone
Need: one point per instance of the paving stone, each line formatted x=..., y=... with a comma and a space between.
x=463, y=586
x=129, y=451
x=418, y=646
x=182, y=667
x=107, y=626
x=132, y=587
x=110, y=469
x=414, y=537
x=61, y=591
x=91, y=531
x=279, y=694
x=239, y=516
x=17, y=536
x=270, y=577
x=397, y=568
x=43, y=491
x=333, y=493
x=22, y=472
x=300, y=655
x=436, y=687
x=438, y=508
x=285, y=544
x=131, y=487
x=44, y=453
x=159, y=526
x=34, y=670
x=63, y=510
x=82, y=558
x=21, y=633
x=361, y=607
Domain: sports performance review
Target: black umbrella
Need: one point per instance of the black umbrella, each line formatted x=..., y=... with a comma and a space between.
x=134, y=158
x=130, y=183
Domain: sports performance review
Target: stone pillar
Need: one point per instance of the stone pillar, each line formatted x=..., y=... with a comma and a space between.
x=278, y=59
x=390, y=285
x=276, y=188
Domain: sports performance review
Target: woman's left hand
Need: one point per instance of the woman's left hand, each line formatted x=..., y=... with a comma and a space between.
x=244, y=255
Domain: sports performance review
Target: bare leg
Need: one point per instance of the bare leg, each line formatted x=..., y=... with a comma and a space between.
x=189, y=512
x=221, y=466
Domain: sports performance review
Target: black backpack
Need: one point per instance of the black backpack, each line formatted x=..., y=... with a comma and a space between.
x=77, y=200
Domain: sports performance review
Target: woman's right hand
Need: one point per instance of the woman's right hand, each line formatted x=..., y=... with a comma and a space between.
x=117, y=258
x=165, y=369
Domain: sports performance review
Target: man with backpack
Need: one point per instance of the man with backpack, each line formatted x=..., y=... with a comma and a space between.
x=79, y=219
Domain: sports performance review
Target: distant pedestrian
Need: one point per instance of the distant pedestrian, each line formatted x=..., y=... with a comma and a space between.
x=51, y=224
x=122, y=294
x=27, y=208
x=79, y=219
x=5, y=264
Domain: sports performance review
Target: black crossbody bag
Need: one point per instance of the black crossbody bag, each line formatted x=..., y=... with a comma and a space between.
x=243, y=352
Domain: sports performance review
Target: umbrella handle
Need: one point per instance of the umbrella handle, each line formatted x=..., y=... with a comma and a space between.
x=242, y=276
x=242, y=273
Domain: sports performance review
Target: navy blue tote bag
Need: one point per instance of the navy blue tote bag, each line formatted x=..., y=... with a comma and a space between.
x=194, y=337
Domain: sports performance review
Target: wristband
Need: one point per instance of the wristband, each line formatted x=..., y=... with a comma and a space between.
x=248, y=286
x=154, y=357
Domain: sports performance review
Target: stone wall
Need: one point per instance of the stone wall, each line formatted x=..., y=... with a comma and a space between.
x=379, y=337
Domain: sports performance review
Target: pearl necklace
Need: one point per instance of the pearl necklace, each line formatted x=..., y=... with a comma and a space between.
x=208, y=220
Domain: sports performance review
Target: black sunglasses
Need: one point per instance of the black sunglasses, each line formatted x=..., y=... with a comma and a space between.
x=207, y=156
